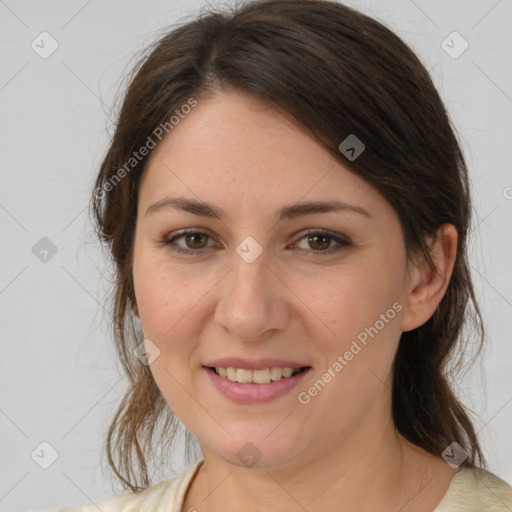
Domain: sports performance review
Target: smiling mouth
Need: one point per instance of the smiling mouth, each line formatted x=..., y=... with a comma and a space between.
x=264, y=376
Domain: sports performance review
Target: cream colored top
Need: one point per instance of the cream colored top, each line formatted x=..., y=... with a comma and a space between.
x=470, y=490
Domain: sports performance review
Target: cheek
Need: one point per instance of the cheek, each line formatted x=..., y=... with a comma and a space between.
x=168, y=311
x=362, y=311
x=345, y=302
x=168, y=301
x=165, y=296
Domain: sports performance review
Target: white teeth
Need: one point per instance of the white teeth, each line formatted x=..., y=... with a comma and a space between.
x=276, y=373
x=243, y=375
x=287, y=372
x=255, y=376
x=261, y=376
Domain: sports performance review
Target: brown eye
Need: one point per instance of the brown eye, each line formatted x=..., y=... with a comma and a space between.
x=196, y=240
x=320, y=242
x=189, y=242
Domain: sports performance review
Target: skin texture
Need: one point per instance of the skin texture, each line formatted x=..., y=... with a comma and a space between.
x=339, y=451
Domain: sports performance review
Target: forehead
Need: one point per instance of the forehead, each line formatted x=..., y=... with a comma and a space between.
x=233, y=129
x=235, y=149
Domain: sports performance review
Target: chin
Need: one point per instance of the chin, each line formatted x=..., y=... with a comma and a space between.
x=258, y=450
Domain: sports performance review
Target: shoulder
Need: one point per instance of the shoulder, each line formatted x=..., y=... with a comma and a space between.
x=165, y=496
x=474, y=490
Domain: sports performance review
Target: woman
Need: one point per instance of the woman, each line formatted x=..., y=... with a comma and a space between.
x=287, y=207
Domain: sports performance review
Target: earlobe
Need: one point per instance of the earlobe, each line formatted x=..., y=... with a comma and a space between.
x=427, y=286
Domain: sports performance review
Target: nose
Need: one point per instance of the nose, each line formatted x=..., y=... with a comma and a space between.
x=253, y=301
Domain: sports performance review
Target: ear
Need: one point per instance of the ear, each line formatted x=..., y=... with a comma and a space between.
x=427, y=286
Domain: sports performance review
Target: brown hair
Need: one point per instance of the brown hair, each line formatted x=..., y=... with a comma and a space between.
x=335, y=72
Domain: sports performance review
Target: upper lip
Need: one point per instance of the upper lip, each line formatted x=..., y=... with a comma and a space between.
x=260, y=364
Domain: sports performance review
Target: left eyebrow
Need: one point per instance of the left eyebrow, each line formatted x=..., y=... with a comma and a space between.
x=204, y=209
x=306, y=208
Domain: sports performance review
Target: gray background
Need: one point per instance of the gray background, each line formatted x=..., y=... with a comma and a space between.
x=59, y=377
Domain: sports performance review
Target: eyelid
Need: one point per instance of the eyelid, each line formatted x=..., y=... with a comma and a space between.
x=340, y=239
x=168, y=241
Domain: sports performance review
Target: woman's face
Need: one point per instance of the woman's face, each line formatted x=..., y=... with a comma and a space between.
x=267, y=278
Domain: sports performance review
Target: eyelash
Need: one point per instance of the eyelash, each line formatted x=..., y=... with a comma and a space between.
x=342, y=242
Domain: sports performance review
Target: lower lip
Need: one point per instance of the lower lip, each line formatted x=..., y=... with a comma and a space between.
x=255, y=393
